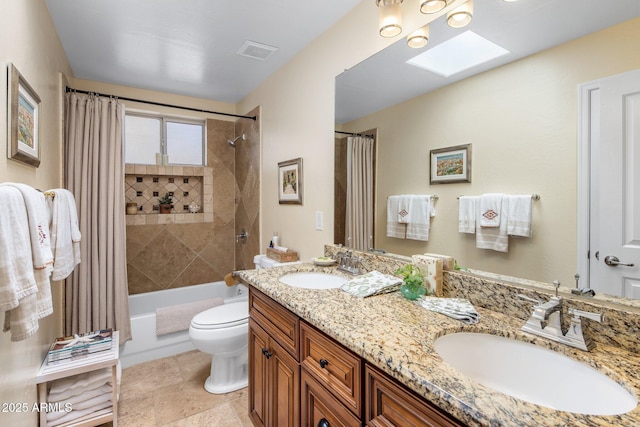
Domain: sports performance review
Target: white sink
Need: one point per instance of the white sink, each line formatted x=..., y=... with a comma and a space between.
x=313, y=280
x=534, y=374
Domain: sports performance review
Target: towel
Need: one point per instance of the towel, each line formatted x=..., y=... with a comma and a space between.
x=81, y=401
x=491, y=210
x=177, y=318
x=467, y=214
x=371, y=283
x=75, y=414
x=65, y=388
x=519, y=216
x=65, y=234
x=494, y=238
x=16, y=265
x=394, y=228
x=419, y=219
x=38, y=220
x=404, y=208
x=456, y=308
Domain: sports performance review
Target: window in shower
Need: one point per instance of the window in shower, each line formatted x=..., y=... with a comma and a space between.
x=155, y=139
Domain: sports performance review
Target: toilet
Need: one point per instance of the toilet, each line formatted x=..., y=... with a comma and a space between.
x=223, y=332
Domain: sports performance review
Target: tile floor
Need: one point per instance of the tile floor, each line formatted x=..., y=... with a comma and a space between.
x=170, y=392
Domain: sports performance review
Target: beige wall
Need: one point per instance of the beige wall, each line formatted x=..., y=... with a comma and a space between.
x=28, y=40
x=522, y=120
x=298, y=121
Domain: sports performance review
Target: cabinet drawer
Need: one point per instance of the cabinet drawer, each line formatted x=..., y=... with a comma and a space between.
x=277, y=321
x=390, y=404
x=320, y=408
x=333, y=366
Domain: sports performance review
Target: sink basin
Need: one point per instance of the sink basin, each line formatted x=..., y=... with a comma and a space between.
x=313, y=280
x=534, y=374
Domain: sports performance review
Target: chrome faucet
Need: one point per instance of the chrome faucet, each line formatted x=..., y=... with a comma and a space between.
x=347, y=262
x=546, y=322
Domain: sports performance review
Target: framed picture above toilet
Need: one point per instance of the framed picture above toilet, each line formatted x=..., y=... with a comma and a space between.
x=290, y=182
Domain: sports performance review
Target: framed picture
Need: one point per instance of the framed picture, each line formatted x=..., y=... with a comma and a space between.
x=23, y=116
x=290, y=182
x=451, y=164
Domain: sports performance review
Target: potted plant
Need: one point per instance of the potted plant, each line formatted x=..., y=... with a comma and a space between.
x=166, y=203
x=412, y=281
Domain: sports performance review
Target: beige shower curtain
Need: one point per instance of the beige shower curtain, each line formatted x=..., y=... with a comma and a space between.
x=96, y=294
x=359, y=223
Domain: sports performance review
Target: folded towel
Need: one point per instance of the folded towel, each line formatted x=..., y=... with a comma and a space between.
x=495, y=238
x=64, y=388
x=371, y=283
x=65, y=233
x=491, y=209
x=177, y=318
x=467, y=214
x=75, y=414
x=394, y=228
x=419, y=219
x=519, y=216
x=81, y=401
x=404, y=208
x=456, y=308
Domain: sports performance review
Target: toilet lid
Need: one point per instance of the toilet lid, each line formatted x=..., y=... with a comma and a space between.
x=222, y=316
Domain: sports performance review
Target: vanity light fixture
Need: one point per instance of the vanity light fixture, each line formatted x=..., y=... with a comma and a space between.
x=461, y=15
x=419, y=38
x=390, y=17
x=433, y=6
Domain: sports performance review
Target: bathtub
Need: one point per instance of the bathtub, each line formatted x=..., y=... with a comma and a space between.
x=145, y=345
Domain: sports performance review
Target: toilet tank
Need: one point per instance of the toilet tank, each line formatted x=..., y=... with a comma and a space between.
x=263, y=261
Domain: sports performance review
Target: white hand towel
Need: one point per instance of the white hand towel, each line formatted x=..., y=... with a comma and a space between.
x=421, y=211
x=394, y=228
x=519, y=216
x=38, y=220
x=65, y=233
x=467, y=214
x=75, y=414
x=404, y=209
x=64, y=388
x=491, y=210
x=495, y=238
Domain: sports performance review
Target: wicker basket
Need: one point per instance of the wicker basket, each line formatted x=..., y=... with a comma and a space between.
x=288, y=256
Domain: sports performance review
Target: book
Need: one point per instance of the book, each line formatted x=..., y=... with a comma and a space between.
x=80, y=345
x=81, y=355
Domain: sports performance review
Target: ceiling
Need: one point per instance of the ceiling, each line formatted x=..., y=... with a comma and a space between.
x=187, y=47
x=523, y=27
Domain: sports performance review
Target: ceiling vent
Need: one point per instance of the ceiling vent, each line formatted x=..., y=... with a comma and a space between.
x=256, y=50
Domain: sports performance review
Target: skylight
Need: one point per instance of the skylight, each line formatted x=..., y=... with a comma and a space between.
x=460, y=53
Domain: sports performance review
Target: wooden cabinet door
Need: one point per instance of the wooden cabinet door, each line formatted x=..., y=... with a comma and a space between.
x=258, y=373
x=320, y=408
x=284, y=387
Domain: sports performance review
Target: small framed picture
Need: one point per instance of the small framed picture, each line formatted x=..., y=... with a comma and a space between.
x=290, y=182
x=451, y=164
x=23, y=116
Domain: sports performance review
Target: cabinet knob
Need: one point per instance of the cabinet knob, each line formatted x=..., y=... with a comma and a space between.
x=323, y=363
x=266, y=353
x=323, y=423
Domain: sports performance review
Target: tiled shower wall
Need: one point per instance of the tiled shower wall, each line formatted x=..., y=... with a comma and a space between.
x=163, y=256
x=247, y=198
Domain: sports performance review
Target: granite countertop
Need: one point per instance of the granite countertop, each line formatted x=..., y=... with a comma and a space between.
x=397, y=336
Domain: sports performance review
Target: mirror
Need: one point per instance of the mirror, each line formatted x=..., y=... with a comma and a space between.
x=519, y=112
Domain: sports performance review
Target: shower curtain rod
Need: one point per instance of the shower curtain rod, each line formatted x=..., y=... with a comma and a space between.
x=353, y=134
x=68, y=89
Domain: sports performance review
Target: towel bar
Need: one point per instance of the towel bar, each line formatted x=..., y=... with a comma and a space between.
x=534, y=196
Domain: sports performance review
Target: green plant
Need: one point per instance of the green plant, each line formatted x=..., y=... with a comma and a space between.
x=411, y=275
x=166, y=200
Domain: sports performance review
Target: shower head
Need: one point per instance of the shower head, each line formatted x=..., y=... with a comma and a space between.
x=232, y=142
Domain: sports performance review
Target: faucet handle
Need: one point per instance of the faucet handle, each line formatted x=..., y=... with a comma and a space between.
x=577, y=314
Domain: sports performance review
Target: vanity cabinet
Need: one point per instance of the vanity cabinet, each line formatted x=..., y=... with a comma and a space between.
x=389, y=403
x=321, y=409
x=274, y=370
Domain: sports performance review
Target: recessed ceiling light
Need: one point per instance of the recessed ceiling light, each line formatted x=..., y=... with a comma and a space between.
x=457, y=54
x=256, y=50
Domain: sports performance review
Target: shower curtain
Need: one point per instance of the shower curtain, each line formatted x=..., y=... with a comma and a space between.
x=96, y=294
x=359, y=221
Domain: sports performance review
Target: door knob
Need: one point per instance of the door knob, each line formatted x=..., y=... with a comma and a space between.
x=323, y=363
x=324, y=423
x=613, y=261
x=266, y=353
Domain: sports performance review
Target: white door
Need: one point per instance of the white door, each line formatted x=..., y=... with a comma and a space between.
x=615, y=189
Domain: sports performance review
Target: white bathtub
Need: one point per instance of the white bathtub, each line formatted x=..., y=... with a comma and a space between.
x=145, y=345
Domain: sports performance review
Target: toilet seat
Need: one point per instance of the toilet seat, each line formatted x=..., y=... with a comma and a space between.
x=222, y=316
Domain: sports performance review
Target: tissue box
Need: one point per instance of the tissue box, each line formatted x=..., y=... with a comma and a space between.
x=280, y=256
